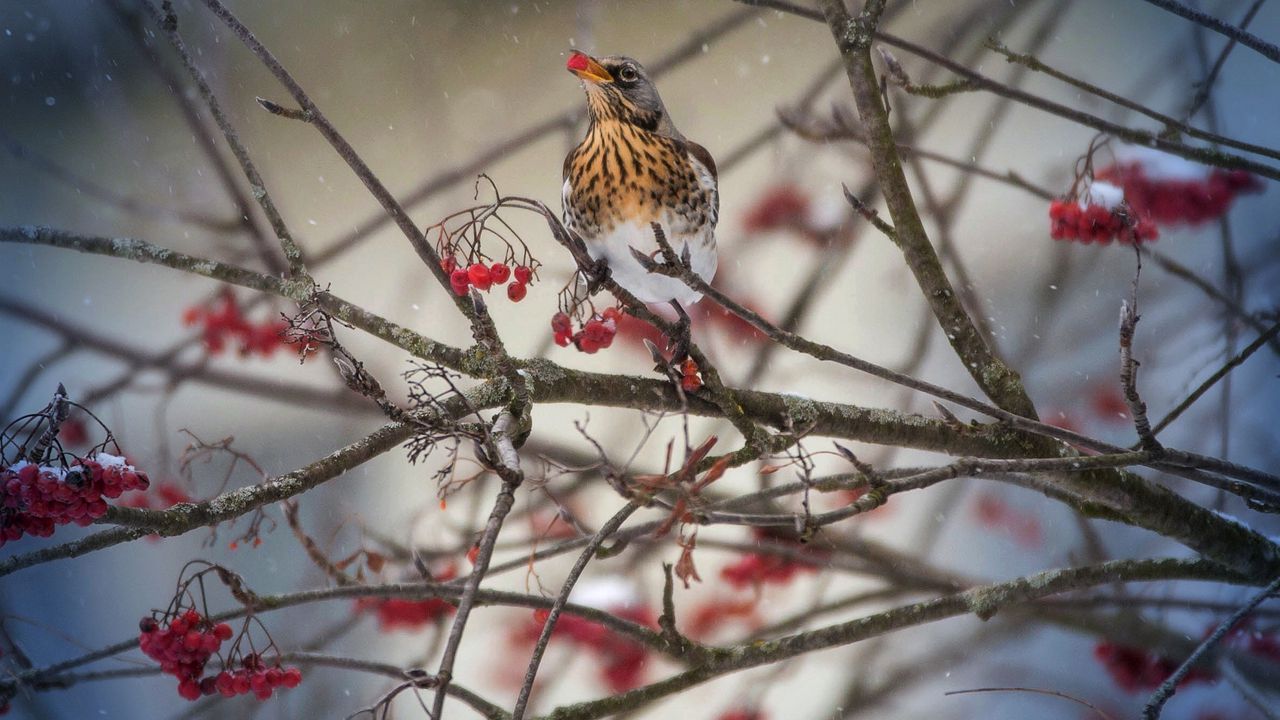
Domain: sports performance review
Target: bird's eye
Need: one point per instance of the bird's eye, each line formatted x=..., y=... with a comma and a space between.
x=628, y=74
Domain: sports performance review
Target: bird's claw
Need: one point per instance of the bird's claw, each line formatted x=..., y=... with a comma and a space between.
x=597, y=273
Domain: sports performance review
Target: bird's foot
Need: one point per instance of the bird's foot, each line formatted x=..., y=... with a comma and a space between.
x=597, y=273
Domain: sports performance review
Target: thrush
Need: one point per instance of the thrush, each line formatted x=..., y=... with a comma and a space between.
x=632, y=170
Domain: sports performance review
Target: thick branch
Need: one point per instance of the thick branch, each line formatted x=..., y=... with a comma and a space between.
x=998, y=381
x=984, y=602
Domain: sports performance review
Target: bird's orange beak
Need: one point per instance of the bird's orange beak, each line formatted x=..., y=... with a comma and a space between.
x=585, y=67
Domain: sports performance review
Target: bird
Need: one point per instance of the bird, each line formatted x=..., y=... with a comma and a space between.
x=632, y=170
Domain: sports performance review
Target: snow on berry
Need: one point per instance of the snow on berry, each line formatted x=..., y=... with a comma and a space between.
x=34, y=499
x=1169, y=190
x=1105, y=216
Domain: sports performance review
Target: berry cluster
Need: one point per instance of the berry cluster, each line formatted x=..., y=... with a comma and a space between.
x=401, y=613
x=689, y=379
x=993, y=512
x=73, y=432
x=756, y=569
x=1102, y=219
x=482, y=277
x=1134, y=669
x=596, y=334
x=621, y=660
x=166, y=495
x=782, y=207
x=709, y=617
x=34, y=499
x=183, y=647
x=253, y=676
x=1191, y=198
x=223, y=320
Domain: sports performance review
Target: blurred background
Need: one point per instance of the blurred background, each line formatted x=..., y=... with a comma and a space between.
x=101, y=134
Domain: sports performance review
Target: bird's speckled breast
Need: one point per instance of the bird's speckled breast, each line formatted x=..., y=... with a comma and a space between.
x=623, y=174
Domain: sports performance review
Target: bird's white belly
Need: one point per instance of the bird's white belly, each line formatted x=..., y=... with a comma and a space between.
x=614, y=246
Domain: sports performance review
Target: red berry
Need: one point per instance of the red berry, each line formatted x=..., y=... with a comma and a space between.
x=524, y=274
x=479, y=275
x=561, y=324
x=516, y=291
x=292, y=676
x=189, y=689
x=448, y=264
x=499, y=273
x=459, y=280
x=148, y=625
x=209, y=643
x=222, y=631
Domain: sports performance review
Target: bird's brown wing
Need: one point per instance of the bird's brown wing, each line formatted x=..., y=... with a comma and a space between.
x=702, y=156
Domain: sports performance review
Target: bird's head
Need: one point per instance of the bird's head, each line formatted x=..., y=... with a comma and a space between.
x=619, y=89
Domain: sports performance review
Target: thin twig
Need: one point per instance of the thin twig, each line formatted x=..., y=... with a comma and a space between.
x=258, y=187
x=1039, y=691
x=1249, y=40
x=544, y=637
x=1270, y=334
x=507, y=464
x=1129, y=367
x=1151, y=711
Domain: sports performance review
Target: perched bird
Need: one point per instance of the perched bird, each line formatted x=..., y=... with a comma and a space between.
x=632, y=170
